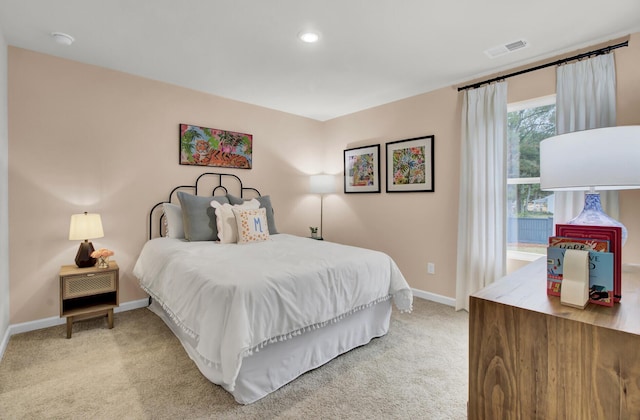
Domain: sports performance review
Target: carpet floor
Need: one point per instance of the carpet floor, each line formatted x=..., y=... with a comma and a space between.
x=139, y=370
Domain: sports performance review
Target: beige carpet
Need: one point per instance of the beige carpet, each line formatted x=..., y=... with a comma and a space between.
x=139, y=370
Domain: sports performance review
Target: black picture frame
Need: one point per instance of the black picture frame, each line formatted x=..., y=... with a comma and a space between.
x=410, y=165
x=362, y=169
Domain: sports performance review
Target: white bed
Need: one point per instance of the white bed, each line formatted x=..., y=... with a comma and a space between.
x=255, y=316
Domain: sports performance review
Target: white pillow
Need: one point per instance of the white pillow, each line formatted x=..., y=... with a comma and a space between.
x=252, y=225
x=173, y=221
x=226, y=219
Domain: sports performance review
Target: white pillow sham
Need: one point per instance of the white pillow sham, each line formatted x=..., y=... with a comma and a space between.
x=173, y=221
x=226, y=219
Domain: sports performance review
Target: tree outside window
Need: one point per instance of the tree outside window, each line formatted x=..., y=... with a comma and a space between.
x=530, y=210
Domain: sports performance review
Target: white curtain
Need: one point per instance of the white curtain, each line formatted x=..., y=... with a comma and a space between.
x=483, y=184
x=585, y=98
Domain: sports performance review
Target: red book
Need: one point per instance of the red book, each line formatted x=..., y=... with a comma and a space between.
x=584, y=244
x=609, y=233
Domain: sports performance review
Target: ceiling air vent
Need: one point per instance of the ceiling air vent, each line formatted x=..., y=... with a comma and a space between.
x=506, y=48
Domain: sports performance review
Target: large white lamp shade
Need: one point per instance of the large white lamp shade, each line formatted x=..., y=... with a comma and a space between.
x=592, y=160
x=322, y=184
x=601, y=158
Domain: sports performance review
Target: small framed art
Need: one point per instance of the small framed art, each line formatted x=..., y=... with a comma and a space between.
x=204, y=146
x=362, y=169
x=410, y=165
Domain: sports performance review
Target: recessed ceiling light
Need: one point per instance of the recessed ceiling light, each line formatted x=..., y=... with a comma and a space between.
x=62, y=38
x=309, y=37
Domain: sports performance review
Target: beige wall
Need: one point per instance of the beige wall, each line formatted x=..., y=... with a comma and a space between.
x=4, y=195
x=414, y=228
x=86, y=138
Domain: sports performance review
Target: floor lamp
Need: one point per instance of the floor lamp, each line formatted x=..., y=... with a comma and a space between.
x=322, y=184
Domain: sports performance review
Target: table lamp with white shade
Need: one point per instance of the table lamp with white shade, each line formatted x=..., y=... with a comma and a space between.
x=592, y=160
x=83, y=227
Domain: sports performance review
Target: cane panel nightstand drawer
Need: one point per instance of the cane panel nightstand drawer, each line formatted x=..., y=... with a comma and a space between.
x=88, y=284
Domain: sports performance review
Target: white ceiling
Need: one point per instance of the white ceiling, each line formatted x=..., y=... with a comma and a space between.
x=371, y=52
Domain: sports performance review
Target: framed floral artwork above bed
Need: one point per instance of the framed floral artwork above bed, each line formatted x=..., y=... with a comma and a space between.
x=362, y=169
x=410, y=165
x=202, y=146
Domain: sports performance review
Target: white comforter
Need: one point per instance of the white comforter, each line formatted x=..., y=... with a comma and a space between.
x=235, y=299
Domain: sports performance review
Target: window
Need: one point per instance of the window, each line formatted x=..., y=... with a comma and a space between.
x=529, y=210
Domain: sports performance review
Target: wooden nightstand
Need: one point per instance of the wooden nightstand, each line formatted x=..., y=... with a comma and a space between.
x=88, y=293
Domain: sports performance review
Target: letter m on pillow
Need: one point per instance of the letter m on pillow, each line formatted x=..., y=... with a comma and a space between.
x=252, y=225
x=257, y=224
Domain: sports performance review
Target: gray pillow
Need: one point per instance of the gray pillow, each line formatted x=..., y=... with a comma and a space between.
x=198, y=217
x=265, y=202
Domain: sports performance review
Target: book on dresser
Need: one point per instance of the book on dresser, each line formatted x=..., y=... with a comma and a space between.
x=584, y=244
x=613, y=234
x=600, y=275
x=604, y=246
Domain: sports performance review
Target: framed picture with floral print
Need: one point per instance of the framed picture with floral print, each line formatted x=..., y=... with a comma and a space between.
x=410, y=165
x=362, y=169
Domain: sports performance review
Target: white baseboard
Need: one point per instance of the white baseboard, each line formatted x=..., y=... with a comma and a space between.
x=35, y=325
x=434, y=297
x=56, y=320
x=131, y=305
x=4, y=343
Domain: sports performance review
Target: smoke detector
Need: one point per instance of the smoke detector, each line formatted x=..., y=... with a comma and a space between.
x=62, y=38
x=510, y=47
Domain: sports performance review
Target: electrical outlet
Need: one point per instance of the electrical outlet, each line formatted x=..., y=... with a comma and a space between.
x=431, y=268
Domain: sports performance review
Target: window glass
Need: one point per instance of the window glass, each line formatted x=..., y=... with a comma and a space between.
x=529, y=210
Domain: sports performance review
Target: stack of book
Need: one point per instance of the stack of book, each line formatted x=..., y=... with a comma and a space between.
x=604, y=245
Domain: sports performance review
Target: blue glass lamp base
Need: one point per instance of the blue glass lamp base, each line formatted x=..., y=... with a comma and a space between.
x=592, y=214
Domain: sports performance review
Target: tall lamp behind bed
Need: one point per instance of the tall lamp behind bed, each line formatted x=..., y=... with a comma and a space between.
x=322, y=184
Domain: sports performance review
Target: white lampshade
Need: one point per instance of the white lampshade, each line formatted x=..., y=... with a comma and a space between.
x=85, y=226
x=599, y=159
x=322, y=184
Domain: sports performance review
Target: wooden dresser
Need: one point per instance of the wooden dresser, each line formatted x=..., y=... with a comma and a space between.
x=532, y=358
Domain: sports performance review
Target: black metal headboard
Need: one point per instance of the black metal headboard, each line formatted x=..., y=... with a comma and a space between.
x=214, y=181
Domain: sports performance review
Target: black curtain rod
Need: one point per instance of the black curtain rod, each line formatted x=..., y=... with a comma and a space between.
x=600, y=51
